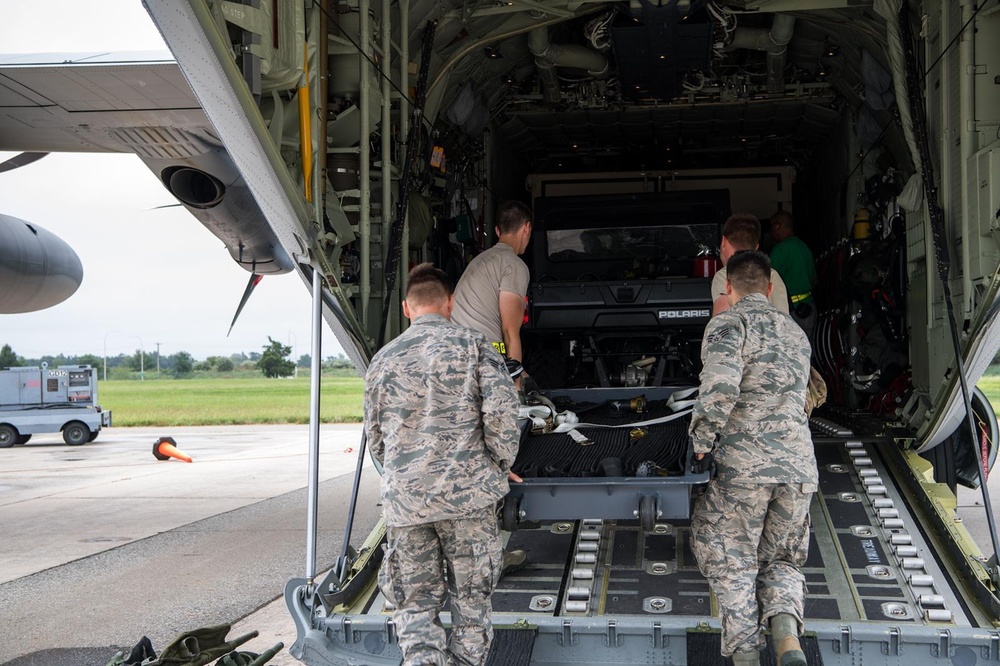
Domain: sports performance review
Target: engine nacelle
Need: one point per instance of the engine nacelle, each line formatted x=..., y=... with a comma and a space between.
x=37, y=268
x=211, y=188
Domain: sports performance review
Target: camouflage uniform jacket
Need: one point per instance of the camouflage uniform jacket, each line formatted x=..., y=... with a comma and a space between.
x=752, y=400
x=441, y=417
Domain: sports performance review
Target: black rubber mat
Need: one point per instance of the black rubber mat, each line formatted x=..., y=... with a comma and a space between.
x=703, y=650
x=558, y=455
x=511, y=647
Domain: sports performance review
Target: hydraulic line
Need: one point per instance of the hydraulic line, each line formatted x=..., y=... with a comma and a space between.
x=940, y=237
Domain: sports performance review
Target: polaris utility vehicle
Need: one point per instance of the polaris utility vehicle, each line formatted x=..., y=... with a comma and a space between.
x=347, y=140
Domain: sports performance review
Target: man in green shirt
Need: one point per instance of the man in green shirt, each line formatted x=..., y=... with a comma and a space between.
x=793, y=260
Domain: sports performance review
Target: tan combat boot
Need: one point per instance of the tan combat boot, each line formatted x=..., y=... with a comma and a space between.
x=785, y=634
x=513, y=560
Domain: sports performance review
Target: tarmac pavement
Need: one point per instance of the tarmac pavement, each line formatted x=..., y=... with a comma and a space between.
x=102, y=544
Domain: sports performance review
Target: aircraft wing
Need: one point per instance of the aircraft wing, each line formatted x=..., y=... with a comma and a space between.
x=142, y=103
x=97, y=102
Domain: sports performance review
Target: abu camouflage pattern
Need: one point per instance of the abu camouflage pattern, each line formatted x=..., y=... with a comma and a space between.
x=750, y=531
x=750, y=540
x=441, y=417
x=413, y=579
x=751, y=407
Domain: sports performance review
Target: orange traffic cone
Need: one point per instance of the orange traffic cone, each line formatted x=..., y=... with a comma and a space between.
x=164, y=449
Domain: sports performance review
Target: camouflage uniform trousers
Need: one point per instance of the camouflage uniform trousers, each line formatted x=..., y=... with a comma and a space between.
x=458, y=559
x=750, y=541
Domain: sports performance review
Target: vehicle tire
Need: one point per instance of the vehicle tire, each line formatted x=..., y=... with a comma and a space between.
x=647, y=512
x=8, y=436
x=510, y=516
x=93, y=435
x=546, y=366
x=23, y=439
x=76, y=433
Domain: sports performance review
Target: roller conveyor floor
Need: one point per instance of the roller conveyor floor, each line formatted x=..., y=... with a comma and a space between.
x=867, y=559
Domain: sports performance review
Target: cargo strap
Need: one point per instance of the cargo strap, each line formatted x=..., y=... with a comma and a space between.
x=543, y=416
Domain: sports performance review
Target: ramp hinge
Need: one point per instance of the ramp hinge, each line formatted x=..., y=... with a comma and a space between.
x=893, y=647
x=659, y=640
x=567, y=637
x=348, y=631
x=943, y=648
x=612, y=639
x=991, y=652
x=390, y=632
x=846, y=643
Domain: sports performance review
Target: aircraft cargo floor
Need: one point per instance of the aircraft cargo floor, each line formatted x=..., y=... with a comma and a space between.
x=867, y=559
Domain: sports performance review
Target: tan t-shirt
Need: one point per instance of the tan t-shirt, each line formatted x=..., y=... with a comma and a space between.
x=477, y=295
x=779, y=294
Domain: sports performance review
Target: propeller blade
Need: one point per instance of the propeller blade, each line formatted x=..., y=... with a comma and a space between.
x=20, y=160
x=165, y=206
x=254, y=279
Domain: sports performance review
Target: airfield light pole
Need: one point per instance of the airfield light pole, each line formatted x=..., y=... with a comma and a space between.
x=158, y=359
x=291, y=336
x=106, y=355
x=142, y=368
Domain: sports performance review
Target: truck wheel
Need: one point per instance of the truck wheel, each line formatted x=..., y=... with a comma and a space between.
x=8, y=436
x=76, y=433
x=647, y=512
x=23, y=439
x=93, y=435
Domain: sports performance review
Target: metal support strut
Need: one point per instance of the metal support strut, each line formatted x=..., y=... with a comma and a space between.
x=315, y=370
x=938, y=232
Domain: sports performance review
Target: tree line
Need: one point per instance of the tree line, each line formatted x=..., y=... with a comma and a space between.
x=272, y=361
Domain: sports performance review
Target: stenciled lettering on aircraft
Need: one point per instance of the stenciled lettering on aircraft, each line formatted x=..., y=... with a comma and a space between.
x=228, y=9
x=871, y=552
x=684, y=314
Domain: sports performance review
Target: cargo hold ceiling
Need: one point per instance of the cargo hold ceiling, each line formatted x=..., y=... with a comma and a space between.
x=701, y=77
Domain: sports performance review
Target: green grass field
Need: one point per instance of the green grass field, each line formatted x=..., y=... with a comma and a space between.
x=257, y=400
x=990, y=385
x=229, y=401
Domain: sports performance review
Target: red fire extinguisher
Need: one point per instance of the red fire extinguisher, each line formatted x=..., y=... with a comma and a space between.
x=706, y=264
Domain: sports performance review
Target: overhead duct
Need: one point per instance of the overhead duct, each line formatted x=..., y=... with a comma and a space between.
x=548, y=56
x=774, y=42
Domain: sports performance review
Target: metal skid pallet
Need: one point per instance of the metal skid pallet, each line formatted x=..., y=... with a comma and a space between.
x=623, y=470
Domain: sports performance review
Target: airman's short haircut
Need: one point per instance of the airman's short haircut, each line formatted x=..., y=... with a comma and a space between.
x=427, y=285
x=784, y=218
x=511, y=216
x=742, y=230
x=749, y=272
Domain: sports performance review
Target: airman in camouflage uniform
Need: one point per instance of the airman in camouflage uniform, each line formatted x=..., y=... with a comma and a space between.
x=440, y=415
x=751, y=528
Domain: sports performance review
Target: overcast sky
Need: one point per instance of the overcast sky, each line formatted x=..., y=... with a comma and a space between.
x=150, y=276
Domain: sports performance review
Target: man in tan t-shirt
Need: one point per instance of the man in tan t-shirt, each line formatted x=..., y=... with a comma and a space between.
x=742, y=232
x=490, y=294
x=489, y=298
